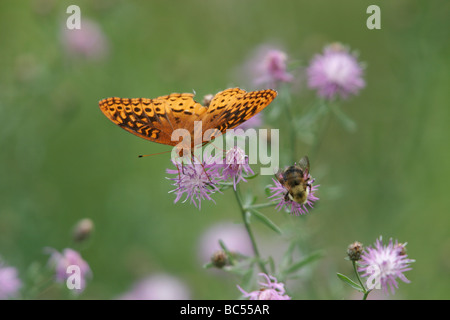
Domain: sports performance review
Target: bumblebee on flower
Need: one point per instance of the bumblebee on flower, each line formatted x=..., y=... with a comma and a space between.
x=294, y=188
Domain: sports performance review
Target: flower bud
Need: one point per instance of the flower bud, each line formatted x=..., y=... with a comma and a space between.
x=83, y=229
x=219, y=259
x=355, y=250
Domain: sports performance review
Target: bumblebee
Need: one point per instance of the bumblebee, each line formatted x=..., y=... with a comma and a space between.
x=296, y=180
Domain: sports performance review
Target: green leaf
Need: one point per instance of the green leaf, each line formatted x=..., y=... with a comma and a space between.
x=266, y=221
x=307, y=260
x=271, y=264
x=249, y=199
x=252, y=176
x=287, y=257
x=350, y=282
x=227, y=252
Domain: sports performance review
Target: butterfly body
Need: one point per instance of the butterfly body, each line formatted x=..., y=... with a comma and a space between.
x=296, y=180
x=157, y=119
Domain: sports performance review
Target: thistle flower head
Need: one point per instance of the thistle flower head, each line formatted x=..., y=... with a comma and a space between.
x=335, y=72
x=385, y=263
x=9, y=282
x=236, y=164
x=233, y=235
x=61, y=263
x=197, y=180
x=252, y=123
x=280, y=195
x=267, y=67
x=270, y=290
x=88, y=42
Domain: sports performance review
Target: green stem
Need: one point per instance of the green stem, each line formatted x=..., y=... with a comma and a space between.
x=366, y=292
x=249, y=231
x=365, y=295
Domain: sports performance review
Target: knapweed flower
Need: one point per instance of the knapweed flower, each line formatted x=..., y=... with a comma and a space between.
x=281, y=194
x=270, y=290
x=384, y=264
x=197, y=180
x=233, y=235
x=158, y=287
x=67, y=264
x=267, y=67
x=252, y=123
x=236, y=164
x=335, y=72
x=87, y=42
x=9, y=282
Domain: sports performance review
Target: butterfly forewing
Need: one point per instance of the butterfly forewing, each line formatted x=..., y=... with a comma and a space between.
x=231, y=107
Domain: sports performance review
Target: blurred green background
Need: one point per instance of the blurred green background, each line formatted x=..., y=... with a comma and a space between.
x=62, y=160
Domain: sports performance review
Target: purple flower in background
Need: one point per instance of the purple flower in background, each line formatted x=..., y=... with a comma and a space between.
x=279, y=195
x=158, y=287
x=270, y=290
x=197, y=180
x=384, y=264
x=252, y=123
x=61, y=263
x=335, y=72
x=236, y=163
x=233, y=235
x=267, y=67
x=88, y=42
x=9, y=282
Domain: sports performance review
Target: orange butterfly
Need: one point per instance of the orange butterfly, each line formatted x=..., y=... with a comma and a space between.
x=156, y=119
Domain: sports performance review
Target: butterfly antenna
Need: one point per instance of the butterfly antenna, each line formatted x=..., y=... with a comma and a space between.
x=153, y=154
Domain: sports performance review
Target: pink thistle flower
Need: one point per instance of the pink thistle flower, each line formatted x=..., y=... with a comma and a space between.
x=197, y=180
x=9, y=282
x=252, y=123
x=233, y=235
x=61, y=262
x=279, y=193
x=236, y=163
x=88, y=42
x=335, y=72
x=270, y=290
x=273, y=69
x=385, y=264
x=267, y=67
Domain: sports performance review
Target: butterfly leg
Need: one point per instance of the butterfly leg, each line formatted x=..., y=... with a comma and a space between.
x=203, y=167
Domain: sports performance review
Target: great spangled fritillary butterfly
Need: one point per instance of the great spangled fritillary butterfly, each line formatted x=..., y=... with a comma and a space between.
x=156, y=119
